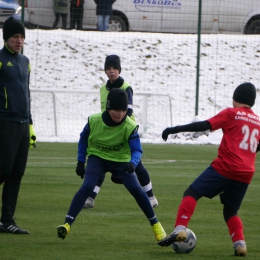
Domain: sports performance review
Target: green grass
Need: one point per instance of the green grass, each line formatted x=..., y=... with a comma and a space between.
x=116, y=228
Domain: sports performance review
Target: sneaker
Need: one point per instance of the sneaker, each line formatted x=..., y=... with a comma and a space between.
x=158, y=231
x=153, y=201
x=240, y=249
x=173, y=237
x=63, y=230
x=12, y=228
x=89, y=204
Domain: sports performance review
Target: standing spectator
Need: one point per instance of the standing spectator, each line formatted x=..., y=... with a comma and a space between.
x=111, y=143
x=76, y=13
x=230, y=173
x=16, y=126
x=103, y=12
x=61, y=9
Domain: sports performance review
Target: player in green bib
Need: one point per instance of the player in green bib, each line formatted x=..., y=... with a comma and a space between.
x=111, y=143
x=113, y=69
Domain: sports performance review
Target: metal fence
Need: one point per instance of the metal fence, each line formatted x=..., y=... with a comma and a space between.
x=193, y=72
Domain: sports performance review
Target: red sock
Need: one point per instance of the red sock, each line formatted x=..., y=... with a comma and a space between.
x=235, y=227
x=185, y=211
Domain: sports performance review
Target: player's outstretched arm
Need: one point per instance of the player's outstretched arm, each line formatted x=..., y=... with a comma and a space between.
x=193, y=127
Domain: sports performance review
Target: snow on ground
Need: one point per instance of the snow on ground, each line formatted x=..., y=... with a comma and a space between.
x=153, y=63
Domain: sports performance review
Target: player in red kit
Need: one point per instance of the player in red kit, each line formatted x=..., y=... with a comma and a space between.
x=230, y=173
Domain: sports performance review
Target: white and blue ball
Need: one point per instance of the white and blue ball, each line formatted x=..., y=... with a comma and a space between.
x=187, y=245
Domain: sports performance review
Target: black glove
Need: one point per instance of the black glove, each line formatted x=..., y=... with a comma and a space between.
x=80, y=169
x=258, y=148
x=169, y=130
x=129, y=168
x=116, y=180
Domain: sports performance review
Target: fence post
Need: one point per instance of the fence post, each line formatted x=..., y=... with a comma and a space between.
x=144, y=114
x=55, y=114
x=198, y=59
x=22, y=18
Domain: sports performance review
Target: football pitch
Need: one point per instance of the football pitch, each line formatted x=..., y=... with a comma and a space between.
x=116, y=228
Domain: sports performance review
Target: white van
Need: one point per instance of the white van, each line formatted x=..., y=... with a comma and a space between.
x=175, y=16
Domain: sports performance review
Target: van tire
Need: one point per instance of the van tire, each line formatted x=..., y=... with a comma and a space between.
x=116, y=24
x=254, y=27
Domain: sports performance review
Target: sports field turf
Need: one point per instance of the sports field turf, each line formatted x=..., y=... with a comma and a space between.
x=116, y=228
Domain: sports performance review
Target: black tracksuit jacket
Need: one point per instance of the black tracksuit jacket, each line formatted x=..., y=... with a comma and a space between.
x=14, y=87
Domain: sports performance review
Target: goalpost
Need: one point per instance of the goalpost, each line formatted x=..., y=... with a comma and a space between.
x=62, y=114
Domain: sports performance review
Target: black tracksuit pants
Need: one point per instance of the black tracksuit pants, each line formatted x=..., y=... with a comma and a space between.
x=14, y=146
x=76, y=16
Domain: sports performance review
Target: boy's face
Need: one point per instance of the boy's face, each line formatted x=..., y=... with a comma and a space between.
x=117, y=115
x=112, y=74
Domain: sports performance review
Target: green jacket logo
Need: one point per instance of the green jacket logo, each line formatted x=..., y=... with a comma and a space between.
x=102, y=147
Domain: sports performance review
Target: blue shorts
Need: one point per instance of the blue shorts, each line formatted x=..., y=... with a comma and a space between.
x=210, y=183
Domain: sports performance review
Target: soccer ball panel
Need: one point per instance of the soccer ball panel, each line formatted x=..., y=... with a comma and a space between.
x=187, y=245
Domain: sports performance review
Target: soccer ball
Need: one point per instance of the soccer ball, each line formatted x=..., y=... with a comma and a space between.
x=187, y=245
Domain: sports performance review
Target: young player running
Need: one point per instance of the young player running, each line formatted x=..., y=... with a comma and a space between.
x=230, y=173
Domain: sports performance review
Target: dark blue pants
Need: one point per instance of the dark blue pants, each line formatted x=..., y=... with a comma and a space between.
x=96, y=168
x=142, y=176
x=76, y=16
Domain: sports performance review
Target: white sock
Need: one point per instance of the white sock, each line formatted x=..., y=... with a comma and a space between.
x=147, y=187
x=96, y=190
x=239, y=243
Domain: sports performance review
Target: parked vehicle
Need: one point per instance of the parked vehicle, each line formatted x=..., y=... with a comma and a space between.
x=9, y=8
x=175, y=16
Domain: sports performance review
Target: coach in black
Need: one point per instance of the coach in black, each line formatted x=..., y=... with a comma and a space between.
x=16, y=126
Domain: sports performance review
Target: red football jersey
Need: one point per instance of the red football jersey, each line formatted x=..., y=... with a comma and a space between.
x=237, y=150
